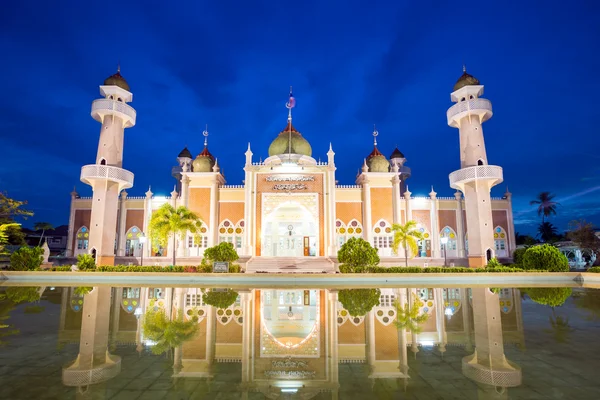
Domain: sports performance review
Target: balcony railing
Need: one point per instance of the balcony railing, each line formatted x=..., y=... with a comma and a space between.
x=92, y=172
x=77, y=376
x=109, y=107
x=481, y=105
x=479, y=172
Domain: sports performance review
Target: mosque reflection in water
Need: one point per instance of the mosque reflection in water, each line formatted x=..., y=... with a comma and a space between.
x=290, y=343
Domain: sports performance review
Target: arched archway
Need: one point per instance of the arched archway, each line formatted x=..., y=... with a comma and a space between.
x=500, y=242
x=451, y=248
x=290, y=230
x=82, y=237
x=425, y=243
x=197, y=243
x=133, y=247
x=383, y=238
x=489, y=254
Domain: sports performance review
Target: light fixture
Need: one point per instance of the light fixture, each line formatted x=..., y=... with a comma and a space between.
x=444, y=239
x=138, y=312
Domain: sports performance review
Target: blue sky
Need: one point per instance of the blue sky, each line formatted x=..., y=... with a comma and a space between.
x=230, y=64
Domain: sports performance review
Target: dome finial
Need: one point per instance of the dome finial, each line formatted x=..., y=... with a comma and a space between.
x=464, y=68
x=119, y=66
x=205, y=134
x=290, y=104
x=375, y=134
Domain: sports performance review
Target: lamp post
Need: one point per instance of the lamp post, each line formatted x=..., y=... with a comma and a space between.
x=142, y=240
x=444, y=241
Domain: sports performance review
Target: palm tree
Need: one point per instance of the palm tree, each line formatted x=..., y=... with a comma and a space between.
x=408, y=317
x=546, y=204
x=406, y=235
x=43, y=226
x=166, y=333
x=547, y=231
x=560, y=327
x=169, y=221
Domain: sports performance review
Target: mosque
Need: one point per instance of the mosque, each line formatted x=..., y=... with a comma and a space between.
x=290, y=211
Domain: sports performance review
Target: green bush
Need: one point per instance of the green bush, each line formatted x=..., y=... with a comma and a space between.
x=433, y=270
x=26, y=259
x=205, y=268
x=493, y=263
x=359, y=302
x=85, y=262
x=138, y=268
x=235, y=268
x=23, y=294
x=358, y=255
x=518, y=255
x=545, y=257
x=224, y=251
x=220, y=299
x=553, y=297
x=594, y=269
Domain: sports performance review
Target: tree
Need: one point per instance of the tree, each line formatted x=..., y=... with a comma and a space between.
x=545, y=257
x=358, y=254
x=406, y=235
x=26, y=259
x=547, y=231
x=358, y=302
x=166, y=333
x=584, y=235
x=9, y=210
x=43, y=226
x=527, y=240
x=546, y=204
x=408, y=316
x=224, y=251
x=4, y=228
x=219, y=299
x=170, y=221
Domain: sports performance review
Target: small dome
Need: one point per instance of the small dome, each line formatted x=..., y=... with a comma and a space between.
x=396, y=154
x=204, y=162
x=377, y=161
x=185, y=153
x=117, y=80
x=465, y=80
x=281, y=144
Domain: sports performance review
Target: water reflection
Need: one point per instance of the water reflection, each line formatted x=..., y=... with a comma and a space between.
x=290, y=343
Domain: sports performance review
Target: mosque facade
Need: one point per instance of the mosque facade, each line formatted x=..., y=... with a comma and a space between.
x=290, y=208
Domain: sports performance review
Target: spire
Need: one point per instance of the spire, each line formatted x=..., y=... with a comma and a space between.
x=205, y=134
x=375, y=134
x=119, y=67
x=289, y=105
x=464, y=68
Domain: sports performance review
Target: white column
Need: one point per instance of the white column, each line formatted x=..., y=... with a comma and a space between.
x=333, y=213
x=71, y=231
x=122, y=225
x=213, y=238
x=402, y=353
x=333, y=339
x=142, y=305
x=247, y=246
x=367, y=224
x=511, y=244
x=435, y=228
x=116, y=311
x=178, y=353
x=170, y=247
x=438, y=298
x=147, y=216
x=246, y=299
x=64, y=300
x=370, y=331
x=460, y=229
x=210, y=334
x=466, y=313
x=407, y=194
x=397, y=203
x=185, y=192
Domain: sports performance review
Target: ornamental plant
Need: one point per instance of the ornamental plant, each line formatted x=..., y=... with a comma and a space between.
x=545, y=257
x=224, y=251
x=358, y=302
x=85, y=262
x=409, y=317
x=408, y=236
x=220, y=299
x=166, y=333
x=358, y=255
x=552, y=297
x=494, y=263
x=518, y=255
x=26, y=258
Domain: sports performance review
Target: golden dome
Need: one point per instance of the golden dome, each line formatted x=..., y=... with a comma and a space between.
x=465, y=80
x=281, y=144
x=377, y=161
x=117, y=80
x=204, y=162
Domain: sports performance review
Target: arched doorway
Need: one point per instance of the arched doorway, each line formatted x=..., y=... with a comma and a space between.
x=489, y=254
x=290, y=230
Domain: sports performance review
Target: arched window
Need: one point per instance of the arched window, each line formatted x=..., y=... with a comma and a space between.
x=480, y=162
x=231, y=233
x=449, y=233
x=198, y=242
x=102, y=161
x=452, y=301
x=425, y=243
x=83, y=236
x=133, y=247
x=500, y=242
x=345, y=232
x=383, y=238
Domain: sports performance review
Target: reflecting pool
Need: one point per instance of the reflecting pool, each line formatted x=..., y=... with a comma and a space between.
x=125, y=342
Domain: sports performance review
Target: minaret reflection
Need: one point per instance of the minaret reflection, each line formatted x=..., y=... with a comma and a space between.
x=94, y=363
x=488, y=366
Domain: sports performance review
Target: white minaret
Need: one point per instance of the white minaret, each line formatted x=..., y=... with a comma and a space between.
x=476, y=177
x=106, y=177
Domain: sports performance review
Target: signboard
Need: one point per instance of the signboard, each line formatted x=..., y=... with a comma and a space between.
x=220, y=266
x=289, y=182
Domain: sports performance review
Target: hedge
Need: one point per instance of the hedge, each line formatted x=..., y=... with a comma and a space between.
x=547, y=257
x=435, y=270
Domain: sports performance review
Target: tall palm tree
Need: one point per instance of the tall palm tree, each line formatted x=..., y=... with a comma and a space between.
x=561, y=328
x=167, y=333
x=406, y=235
x=547, y=231
x=408, y=317
x=546, y=204
x=43, y=226
x=170, y=221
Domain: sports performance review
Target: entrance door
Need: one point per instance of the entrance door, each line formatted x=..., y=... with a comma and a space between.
x=289, y=231
x=306, y=246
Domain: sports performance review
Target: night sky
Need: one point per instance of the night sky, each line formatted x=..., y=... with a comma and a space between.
x=229, y=64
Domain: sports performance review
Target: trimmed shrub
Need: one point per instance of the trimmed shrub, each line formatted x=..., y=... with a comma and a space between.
x=518, y=255
x=26, y=259
x=553, y=297
x=546, y=257
x=220, y=299
x=85, y=262
x=493, y=263
x=358, y=255
x=224, y=251
x=433, y=270
x=235, y=268
x=359, y=302
x=594, y=269
x=205, y=268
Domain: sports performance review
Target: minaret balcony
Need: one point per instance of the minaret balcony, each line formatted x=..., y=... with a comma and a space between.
x=481, y=108
x=97, y=172
x=488, y=173
x=103, y=107
x=79, y=375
